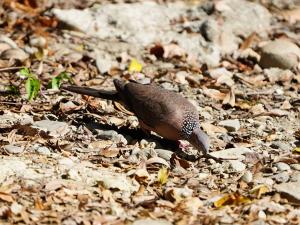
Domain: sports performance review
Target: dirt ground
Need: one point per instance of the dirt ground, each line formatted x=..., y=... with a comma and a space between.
x=74, y=159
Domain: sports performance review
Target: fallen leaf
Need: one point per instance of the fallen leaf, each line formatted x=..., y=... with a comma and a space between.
x=6, y=197
x=259, y=190
x=231, y=199
x=135, y=66
x=213, y=93
x=163, y=175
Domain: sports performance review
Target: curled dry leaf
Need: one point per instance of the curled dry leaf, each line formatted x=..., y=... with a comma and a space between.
x=212, y=129
x=190, y=205
x=213, y=93
x=229, y=98
x=259, y=190
x=231, y=199
x=6, y=197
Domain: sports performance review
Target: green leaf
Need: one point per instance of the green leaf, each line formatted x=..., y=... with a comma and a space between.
x=32, y=87
x=12, y=89
x=57, y=81
x=25, y=72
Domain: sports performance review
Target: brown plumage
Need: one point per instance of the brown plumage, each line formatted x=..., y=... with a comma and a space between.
x=165, y=112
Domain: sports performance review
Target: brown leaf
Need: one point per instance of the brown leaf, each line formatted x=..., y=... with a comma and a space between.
x=213, y=93
x=249, y=41
x=6, y=197
x=229, y=98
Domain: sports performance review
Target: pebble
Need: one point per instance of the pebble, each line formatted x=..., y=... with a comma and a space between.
x=237, y=166
x=247, y=177
x=281, y=145
x=111, y=135
x=163, y=153
x=151, y=222
x=54, y=128
x=43, y=150
x=281, y=166
x=295, y=166
x=280, y=53
x=237, y=153
x=13, y=149
x=14, y=53
x=295, y=177
x=281, y=177
x=231, y=125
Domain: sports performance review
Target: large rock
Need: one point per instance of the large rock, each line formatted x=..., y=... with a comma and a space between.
x=280, y=53
x=291, y=190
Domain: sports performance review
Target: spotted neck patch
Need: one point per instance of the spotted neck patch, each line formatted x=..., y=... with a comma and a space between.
x=189, y=124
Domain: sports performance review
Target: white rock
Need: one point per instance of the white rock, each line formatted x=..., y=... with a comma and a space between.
x=236, y=153
x=280, y=53
x=231, y=125
x=292, y=189
x=16, y=208
x=54, y=128
x=247, y=177
x=237, y=166
x=295, y=177
x=281, y=166
x=296, y=166
x=43, y=150
x=13, y=149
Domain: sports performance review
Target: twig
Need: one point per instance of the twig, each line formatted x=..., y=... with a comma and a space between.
x=10, y=68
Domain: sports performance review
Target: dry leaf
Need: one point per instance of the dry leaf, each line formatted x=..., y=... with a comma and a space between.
x=259, y=190
x=213, y=93
x=109, y=152
x=231, y=199
x=163, y=175
x=135, y=66
x=6, y=197
x=229, y=98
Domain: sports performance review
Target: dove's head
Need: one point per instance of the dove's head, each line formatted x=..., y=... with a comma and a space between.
x=200, y=140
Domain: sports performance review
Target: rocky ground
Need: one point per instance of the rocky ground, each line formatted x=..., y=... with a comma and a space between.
x=72, y=159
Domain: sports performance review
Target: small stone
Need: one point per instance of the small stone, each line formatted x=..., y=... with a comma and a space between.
x=262, y=215
x=14, y=53
x=13, y=149
x=111, y=135
x=281, y=145
x=181, y=77
x=203, y=176
x=231, y=125
x=237, y=166
x=247, y=177
x=280, y=53
x=295, y=166
x=281, y=166
x=163, y=153
x=43, y=150
x=54, y=128
x=66, y=162
x=275, y=74
x=151, y=222
x=16, y=208
x=281, y=177
x=295, y=177
x=237, y=153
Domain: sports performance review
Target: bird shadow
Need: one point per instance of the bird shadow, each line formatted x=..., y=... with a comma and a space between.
x=136, y=133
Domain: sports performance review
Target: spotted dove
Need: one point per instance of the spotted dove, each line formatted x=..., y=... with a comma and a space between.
x=165, y=112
